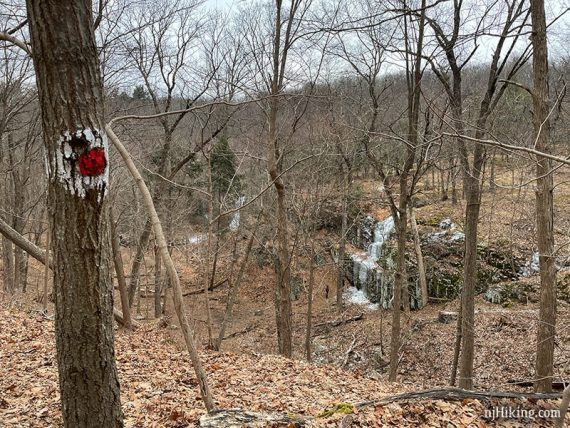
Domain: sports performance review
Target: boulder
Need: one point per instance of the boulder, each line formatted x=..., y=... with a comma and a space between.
x=522, y=291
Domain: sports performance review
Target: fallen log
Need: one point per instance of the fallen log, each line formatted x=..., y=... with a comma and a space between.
x=349, y=351
x=439, y=300
x=201, y=290
x=236, y=418
x=119, y=318
x=239, y=333
x=338, y=322
x=457, y=394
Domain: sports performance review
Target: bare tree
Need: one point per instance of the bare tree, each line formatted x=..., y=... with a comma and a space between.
x=544, y=202
x=454, y=44
x=177, y=296
x=282, y=29
x=19, y=150
x=158, y=47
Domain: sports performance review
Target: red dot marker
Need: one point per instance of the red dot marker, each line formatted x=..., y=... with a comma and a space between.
x=93, y=163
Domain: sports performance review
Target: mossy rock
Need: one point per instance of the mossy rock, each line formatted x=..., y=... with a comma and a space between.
x=262, y=256
x=444, y=281
x=320, y=259
x=502, y=259
x=342, y=408
x=506, y=293
x=432, y=222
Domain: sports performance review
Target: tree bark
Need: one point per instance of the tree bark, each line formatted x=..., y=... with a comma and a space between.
x=471, y=185
x=157, y=283
x=399, y=283
x=210, y=274
x=310, y=301
x=492, y=184
x=46, y=263
x=419, y=257
x=120, y=272
x=71, y=100
x=400, y=213
x=342, y=246
x=283, y=306
x=544, y=203
x=456, y=347
x=18, y=220
x=8, y=266
x=137, y=261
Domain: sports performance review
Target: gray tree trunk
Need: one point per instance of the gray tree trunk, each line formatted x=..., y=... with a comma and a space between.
x=342, y=246
x=419, y=257
x=8, y=266
x=232, y=296
x=120, y=272
x=157, y=283
x=137, y=261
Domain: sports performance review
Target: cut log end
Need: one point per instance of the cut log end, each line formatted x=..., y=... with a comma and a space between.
x=447, y=317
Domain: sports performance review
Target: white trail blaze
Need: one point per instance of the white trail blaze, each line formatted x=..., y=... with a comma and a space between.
x=64, y=167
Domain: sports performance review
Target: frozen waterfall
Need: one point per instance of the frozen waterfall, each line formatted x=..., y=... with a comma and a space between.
x=234, y=224
x=367, y=274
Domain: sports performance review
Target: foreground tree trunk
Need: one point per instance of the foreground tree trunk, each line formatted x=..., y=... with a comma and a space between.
x=400, y=282
x=544, y=203
x=70, y=95
x=473, y=170
x=311, y=286
x=472, y=192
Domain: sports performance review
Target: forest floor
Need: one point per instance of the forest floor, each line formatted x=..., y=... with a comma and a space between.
x=349, y=365
x=159, y=389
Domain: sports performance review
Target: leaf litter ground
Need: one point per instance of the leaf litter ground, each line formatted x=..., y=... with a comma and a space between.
x=159, y=388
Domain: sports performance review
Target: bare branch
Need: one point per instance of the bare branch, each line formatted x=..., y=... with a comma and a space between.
x=505, y=146
x=16, y=42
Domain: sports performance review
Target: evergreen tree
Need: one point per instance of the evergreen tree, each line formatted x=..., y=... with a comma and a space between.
x=225, y=181
x=139, y=93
